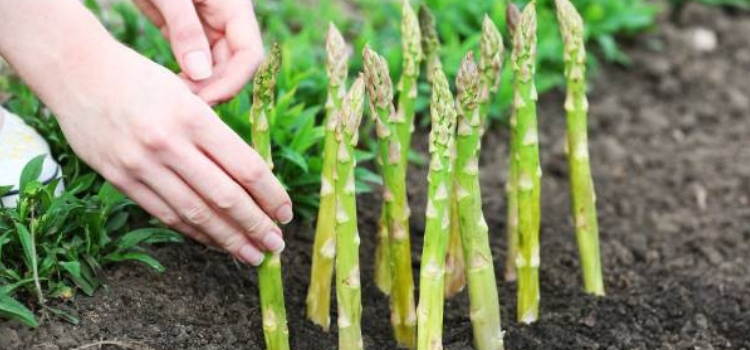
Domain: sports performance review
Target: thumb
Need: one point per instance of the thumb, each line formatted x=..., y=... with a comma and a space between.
x=188, y=39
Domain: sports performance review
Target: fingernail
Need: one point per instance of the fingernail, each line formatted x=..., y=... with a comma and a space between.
x=273, y=242
x=197, y=64
x=252, y=255
x=285, y=214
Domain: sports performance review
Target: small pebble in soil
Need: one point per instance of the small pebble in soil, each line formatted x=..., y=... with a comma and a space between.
x=590, y=320
x=704, y=40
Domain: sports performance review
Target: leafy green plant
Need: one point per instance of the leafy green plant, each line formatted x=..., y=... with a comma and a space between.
x=52, y=247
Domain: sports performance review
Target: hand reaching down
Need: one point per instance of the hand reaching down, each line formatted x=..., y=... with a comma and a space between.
x=138, y=124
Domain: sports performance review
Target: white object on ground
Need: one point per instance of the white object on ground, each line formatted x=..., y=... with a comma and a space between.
x=19, y=143
x=704, y=40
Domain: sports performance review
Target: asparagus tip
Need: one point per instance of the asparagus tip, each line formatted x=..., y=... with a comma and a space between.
x=442, y=108
x=378, y=80
x=352, y=107
x=467, y=81
x=512, y=15
x=571, y=26
x=411, y=38
x=492, y=53
x=337, y=55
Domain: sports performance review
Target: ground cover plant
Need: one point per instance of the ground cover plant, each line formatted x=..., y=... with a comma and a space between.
x=52, y=248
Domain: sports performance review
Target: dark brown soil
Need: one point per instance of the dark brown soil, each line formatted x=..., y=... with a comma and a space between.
x=670, y=145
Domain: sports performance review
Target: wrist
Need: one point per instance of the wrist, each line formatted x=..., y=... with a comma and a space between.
x=56, y=50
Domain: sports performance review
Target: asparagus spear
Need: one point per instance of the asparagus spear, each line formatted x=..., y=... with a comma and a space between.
x=347, y=243
x=528, y=171
x=404, y=119
x=454, y=260
x=513, y=17
x=437, y=230
x=380, y=90
x=581, y=182
x=319, y=292
x=483, y=295
x=269, y=273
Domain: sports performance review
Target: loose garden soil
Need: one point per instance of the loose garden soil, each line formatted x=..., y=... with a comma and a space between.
x=670, y=148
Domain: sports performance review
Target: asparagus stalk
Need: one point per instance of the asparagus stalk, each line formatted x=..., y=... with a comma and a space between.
x=528, y=170
x=483, y=295
x=319, y=292
x=437, y=230
x=455, y=280
x=404, y=119
x=581, y=182
x=513, y=17
x=270, y=283
x=380, y=90
x=349, y=296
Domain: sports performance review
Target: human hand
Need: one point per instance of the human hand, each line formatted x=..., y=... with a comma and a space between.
x=165, y=148
x=140, y=127
x=217, y=43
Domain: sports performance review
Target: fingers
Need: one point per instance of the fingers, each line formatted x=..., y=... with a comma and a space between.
x=229, y=198
x=189, y=42
x=154, y=205
x=194, y=211
x=247, y=168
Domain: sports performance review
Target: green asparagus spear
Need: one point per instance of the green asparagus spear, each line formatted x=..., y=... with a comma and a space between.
x=319, y=292
x=349, y=296
x=380, y=90
x=511, y=187
x=437, y=229
x=455, y=280
x=529, y=172
x=404, y=119
x=269, y=273
x=483, y=295
x=581, y=182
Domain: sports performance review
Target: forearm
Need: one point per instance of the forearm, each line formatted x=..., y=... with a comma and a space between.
x=58, y=47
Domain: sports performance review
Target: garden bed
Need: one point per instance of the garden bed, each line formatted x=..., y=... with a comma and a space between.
x=670, y=150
